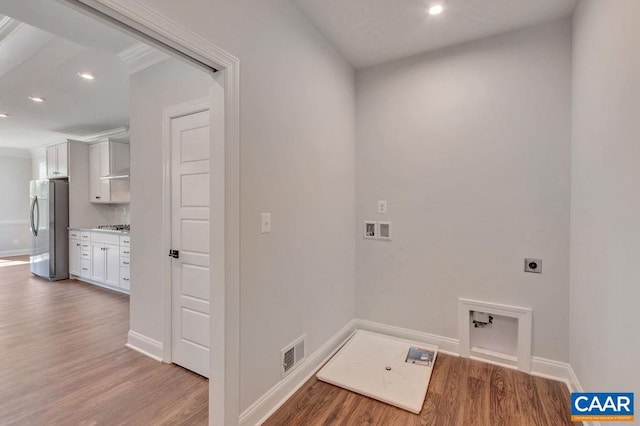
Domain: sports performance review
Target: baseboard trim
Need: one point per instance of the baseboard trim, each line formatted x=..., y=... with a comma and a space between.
x=445, y=345
x=573, y=382
x=96, y=283
x=19, y=252
x=273, y=399
x=144, y=345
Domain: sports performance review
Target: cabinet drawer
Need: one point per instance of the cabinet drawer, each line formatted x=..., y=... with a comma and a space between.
x=125, y=240
x=74, y=235
x=85, y=245
x=125, y=281
x=125, y=251
x=85, y=236
x=100, y=237
x=125, y=262
x=85, y=268
x=85, y=255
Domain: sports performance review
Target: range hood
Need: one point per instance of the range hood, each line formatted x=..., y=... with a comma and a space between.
x=120, y=174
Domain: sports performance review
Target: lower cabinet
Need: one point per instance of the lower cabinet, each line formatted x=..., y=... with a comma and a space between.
x=105, y=263
x=74, y=257
x=99, y=259
x=124, y=279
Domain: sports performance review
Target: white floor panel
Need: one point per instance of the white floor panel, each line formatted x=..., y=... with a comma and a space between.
x=376, y=366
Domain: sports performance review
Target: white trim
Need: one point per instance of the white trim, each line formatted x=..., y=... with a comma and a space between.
x=97, y=283
x=224, y=386
x=573, y=382
x=145, y=345
x=14, y=152
x=168, y=114
x=523, y=315
x=141, y=56
x=13, y=222
x=11, y=253
x=117, y=133
x=273, y=399
x=445, y=345
x=551, y=369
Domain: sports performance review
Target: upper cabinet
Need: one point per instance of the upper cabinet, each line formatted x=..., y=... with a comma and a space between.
x=58, y=161
x=108, y=158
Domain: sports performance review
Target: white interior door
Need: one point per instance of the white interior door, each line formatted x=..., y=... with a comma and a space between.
x=190, y=236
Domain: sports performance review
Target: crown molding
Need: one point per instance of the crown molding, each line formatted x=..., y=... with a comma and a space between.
x=117, y=133
x=141, y=56
x=8, y=26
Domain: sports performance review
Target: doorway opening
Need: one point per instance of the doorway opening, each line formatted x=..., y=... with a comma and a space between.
x=223, y=97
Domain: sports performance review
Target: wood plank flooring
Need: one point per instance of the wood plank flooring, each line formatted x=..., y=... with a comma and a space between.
x=461, y=392
x=63, y=360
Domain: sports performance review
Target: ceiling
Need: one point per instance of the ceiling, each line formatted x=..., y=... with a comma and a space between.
x=45, y=63
x=369, y=32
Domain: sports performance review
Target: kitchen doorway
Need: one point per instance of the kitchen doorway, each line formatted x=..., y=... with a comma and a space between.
x=154, y=29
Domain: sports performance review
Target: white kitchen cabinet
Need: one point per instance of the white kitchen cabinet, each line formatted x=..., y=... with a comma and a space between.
x=74, y=257
x=58, y=161
x=105, y=263
x=125, y=281
x=100, y=258
x=106, y=158
x=98, y=262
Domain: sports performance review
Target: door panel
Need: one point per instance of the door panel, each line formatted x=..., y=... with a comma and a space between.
x=97, y=262
x=39, y=216
x=62, y=163
x=112, y=267
x=52, y=161
x=95, y=193
x=74, y=257
x=190, y=235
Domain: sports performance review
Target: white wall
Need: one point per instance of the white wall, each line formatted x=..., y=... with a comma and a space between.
x=470, y=146
x=15, y=174
x=165, y=84
x=297, y=162
x=605, y=230
x=38, y=163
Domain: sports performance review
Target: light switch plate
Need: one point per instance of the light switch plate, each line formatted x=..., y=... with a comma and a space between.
x=266, y=223
x=382, y=206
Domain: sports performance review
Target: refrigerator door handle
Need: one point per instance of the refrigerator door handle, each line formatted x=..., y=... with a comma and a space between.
x=36, y=205
x=31, y=221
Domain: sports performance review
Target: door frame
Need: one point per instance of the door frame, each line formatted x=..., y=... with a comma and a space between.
x=224, y=383
x=168, y=114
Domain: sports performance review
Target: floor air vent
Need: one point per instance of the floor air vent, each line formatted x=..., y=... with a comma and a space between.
x=292, y=354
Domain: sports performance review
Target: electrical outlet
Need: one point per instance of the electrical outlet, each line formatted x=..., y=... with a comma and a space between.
x=16, y=241
x=382, y=206
x=533, y=265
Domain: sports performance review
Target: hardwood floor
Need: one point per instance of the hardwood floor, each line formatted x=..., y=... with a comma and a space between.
x=63, y=360
x=461, y=392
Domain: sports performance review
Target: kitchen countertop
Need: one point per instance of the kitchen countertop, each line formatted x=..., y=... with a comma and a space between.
x=106, y=231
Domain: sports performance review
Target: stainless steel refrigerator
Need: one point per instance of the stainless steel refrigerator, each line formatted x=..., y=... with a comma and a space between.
x=49, y=222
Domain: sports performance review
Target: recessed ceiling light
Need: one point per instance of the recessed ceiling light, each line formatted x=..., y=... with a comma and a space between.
x=37, y=99
x=435, y=9
x=86, y=75
x=3, y=115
